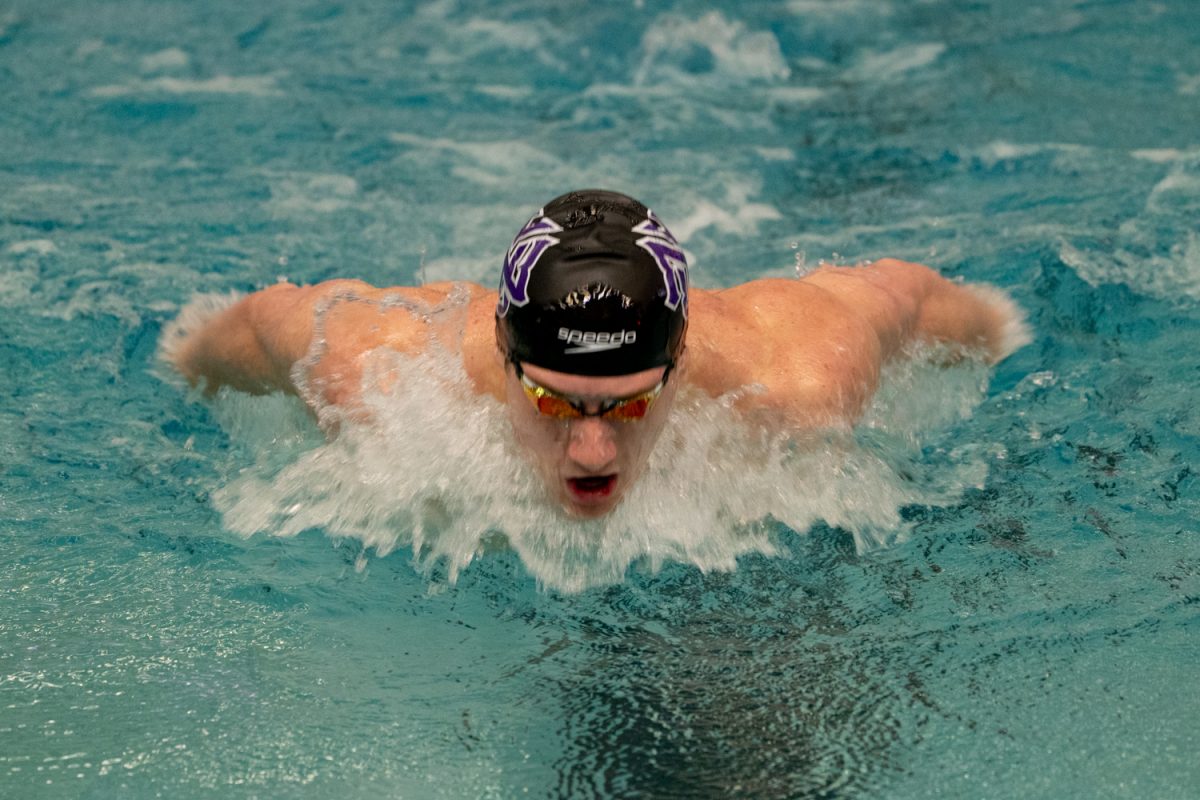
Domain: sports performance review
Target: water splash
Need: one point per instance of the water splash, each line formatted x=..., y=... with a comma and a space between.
x=687, y=51
x=445, y=480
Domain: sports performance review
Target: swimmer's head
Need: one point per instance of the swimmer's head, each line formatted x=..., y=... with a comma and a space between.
x=592, y=315
x=594, y=284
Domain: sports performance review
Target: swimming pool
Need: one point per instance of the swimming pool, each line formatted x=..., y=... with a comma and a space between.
x=990, y=590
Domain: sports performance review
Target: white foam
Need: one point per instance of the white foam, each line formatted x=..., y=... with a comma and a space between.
x=832, y=9
x=92, y=298
x=505, y=92
x=321, y=193
x=16, y=286
x=42, y=247
x=776, y=153
x=622, y=90
x=1158, y=156
x=474, y=39
x=1157, y=251
x=171, y=58
x=1065, y=155
x=1177, y=182
x=88, y=47
x=493, y=163
x=737, y=54
x=1000, y=150
x=743, y=219
x=512, y=35
x=893, y=64
x=794, y=95
x=1174, y=277
x=512, y=153
x=670, y=103
x=255, y=85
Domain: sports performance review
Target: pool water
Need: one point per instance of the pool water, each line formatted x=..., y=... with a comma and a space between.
x=990, y=589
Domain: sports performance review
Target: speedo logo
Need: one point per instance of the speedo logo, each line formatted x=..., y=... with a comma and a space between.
x=595, y=341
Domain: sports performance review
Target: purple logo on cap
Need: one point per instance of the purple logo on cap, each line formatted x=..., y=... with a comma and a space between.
x=659, y=243
x=532, y=240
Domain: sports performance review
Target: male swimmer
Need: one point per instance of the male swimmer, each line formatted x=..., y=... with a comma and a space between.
x=585, y=342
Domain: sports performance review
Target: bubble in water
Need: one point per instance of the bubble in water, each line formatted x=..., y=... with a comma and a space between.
x=800, y=260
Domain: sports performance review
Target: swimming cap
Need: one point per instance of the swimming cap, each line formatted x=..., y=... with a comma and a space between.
x=594, y=284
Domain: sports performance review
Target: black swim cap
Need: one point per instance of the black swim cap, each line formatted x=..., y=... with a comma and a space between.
x=594, y=284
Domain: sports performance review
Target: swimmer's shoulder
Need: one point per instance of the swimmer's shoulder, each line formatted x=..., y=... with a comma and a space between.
x=763, y=312
x=788, y=346
x=351, y=319
x=734, y=333
x=761, y=293
x=360, y=317
x=464, y=322
x=444, y=289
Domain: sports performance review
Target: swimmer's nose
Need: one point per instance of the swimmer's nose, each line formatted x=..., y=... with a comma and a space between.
x=592, y=445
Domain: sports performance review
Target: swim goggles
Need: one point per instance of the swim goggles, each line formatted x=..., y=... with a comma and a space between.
x=553, y=404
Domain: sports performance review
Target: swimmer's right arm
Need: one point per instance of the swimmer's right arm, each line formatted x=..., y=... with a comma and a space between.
x=252, y=345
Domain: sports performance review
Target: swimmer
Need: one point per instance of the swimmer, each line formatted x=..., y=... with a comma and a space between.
x=593, y=332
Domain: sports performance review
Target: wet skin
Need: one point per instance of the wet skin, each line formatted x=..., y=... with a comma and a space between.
x=587, y=463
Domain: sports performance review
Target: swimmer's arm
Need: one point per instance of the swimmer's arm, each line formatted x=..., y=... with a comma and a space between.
x=906, y=302
x=252, y=345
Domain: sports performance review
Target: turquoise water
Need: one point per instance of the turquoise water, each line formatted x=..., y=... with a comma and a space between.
x=991, y=590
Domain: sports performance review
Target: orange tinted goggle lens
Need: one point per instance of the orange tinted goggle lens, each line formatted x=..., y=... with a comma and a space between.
x=633, y=408
x=553, y=406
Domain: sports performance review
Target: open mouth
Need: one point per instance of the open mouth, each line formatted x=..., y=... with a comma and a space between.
x=593, y=488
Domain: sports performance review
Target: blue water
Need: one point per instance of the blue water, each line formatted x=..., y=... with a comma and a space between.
x=990, y=591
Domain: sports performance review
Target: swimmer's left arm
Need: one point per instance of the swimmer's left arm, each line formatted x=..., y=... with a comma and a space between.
x=815, y=347
x=906, y=302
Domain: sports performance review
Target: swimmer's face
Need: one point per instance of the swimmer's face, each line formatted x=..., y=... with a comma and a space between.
x=588, y=463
